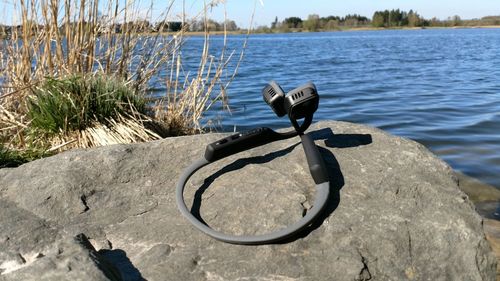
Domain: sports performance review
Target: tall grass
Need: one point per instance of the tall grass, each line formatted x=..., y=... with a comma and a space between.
x=14, y=158
x=76, y=102
x=66, y=59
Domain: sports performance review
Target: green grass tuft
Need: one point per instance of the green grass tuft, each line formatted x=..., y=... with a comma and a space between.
x=77, y=102
x=15, y=158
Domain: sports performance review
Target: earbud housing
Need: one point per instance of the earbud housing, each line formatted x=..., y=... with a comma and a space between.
x=274, y=96
x=302, y=101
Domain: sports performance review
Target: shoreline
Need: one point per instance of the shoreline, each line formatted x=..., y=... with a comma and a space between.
x=345, y=29
x=363, y=28
x=348, y=29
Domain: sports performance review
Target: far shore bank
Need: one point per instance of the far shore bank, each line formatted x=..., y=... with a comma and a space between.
x=346, y=29
x=341, y=29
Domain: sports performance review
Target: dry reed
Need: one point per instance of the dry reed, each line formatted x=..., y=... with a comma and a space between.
x=60, y=38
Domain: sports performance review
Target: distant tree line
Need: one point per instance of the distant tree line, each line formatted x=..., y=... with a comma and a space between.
x=314, y=23
x=396, y=18
x=380, y=19
x=457, y=21
x=174, y=26
x=212, y=25
x=139, y=26
x=6, y=30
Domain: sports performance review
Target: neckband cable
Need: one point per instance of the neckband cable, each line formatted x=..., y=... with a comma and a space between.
x=244, y=141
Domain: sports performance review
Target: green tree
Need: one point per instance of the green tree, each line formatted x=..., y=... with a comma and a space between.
x=231, y=25
x=172, y=26
x=262, y=29
x=312, y=23
x=213, y=25
x=490, y=20
x=196, y=25
x=435, y=22
x=351, y=22
x=332, y=25
x=414, y=19
x=293, y=22
x=456, y=20
x=394, y=17
x=397, y=17
x=274, y=24
x=378, y=19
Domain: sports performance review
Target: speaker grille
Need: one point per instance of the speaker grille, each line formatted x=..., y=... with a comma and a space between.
x=271, y=92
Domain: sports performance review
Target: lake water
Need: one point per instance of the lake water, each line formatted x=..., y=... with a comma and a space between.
x=438, y=87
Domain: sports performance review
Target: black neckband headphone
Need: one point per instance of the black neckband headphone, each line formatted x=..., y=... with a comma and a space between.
x=300, y=103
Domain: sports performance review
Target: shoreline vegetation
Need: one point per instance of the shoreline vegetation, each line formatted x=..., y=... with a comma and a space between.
x=381, y=20
x=357, y=28
x=80, y=74
x=299, y=30
x=350, y=28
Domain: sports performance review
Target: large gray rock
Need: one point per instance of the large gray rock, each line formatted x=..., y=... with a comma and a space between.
x=396, y=213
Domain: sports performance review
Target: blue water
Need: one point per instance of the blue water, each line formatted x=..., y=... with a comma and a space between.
x=438, y=87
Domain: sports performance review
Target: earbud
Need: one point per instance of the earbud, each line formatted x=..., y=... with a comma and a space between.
x=299, y=103
x=274, y=96
x=302, y=101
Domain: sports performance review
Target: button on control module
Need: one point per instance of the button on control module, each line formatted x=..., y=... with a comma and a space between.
x=239, y=142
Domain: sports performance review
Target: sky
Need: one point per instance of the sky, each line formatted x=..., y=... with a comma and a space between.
x=267, y=10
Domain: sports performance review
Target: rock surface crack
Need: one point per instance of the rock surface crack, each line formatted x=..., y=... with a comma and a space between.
x=364, y=274
x=23, y=260
x=304, y=209
x=83, y=198
x=110, y=245
x=410, y=250
x=478, y=262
